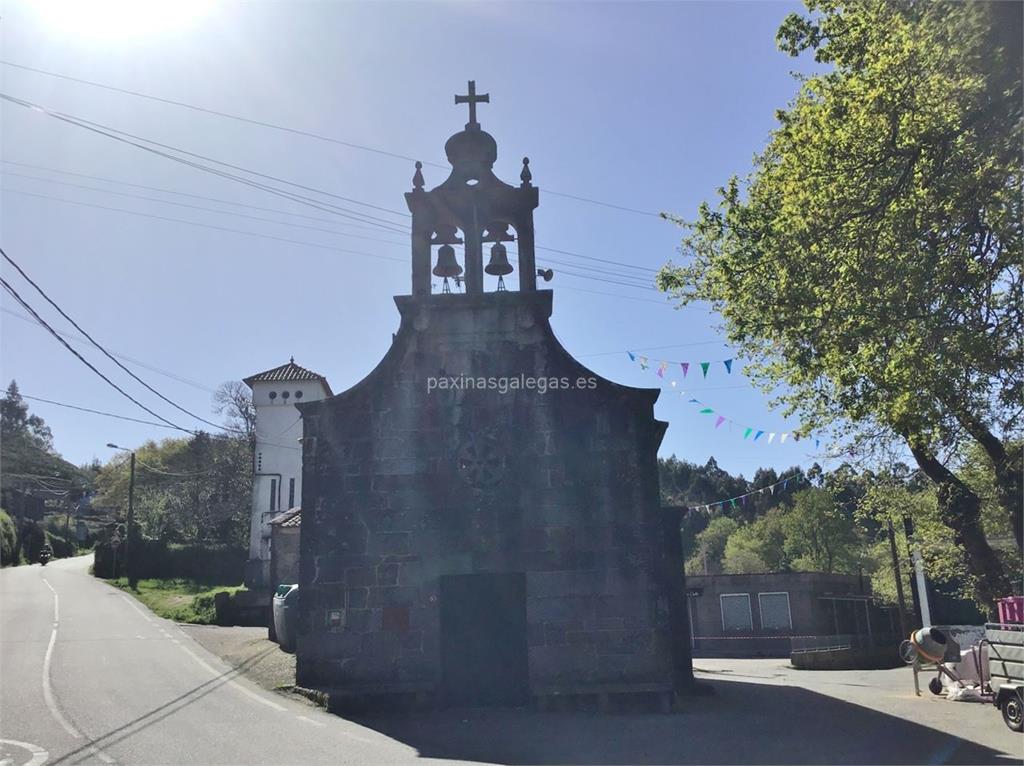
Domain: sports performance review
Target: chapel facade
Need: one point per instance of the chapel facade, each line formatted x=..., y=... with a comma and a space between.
x=481, y=515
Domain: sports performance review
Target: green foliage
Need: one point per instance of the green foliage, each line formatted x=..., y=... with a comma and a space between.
x=195, y=490
x=758, y=546
x=179, y=599
x=10, y=554
x=157, y=559
x=30, y=464
x=709, y=546
x=871, y=260
x=819, y=537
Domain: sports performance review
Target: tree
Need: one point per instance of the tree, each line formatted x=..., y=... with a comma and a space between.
x=871, y=260
x=188, y=490
x=710, y=546
x=759, y=546
x=31, y=466
x=234, y=400
x=819, y=536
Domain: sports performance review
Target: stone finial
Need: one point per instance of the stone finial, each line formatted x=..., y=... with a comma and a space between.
x=417, y=179
x=526, y=176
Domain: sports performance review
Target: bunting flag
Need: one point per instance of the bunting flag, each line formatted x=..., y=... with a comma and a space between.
x=742, y=499
x=663, y=367
x=664, y=364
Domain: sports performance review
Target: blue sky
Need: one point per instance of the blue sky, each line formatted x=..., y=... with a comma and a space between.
x=648, y=106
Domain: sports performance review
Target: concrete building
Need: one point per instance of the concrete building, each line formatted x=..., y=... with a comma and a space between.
x=760, y=615
x=277, y=461
x=481, y=516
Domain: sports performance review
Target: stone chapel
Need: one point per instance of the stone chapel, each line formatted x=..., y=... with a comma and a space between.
x=481, y=513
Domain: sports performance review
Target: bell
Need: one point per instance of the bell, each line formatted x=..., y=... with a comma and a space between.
x=446, y=266
x=499, y=266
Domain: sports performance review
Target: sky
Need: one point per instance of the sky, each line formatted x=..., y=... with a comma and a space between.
x=649, y=107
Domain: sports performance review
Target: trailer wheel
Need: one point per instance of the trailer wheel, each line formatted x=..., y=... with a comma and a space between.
x=1012, y=711
x=935, y=686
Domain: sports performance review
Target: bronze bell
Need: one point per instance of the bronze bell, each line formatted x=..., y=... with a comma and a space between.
x=499, y=266
x=446, y=266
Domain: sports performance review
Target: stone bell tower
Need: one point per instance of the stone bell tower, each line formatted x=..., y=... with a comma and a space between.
x=477, y=203
x=481, y=513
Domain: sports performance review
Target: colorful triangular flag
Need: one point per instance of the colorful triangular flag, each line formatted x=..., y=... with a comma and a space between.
x=686, y=367
x=643, y=363
x=706, y=411
x=632, y=356
x=719, y=420
x=747, y=432
x=728, y=366
x=782, y=438
x=758, y=435
x=661, y=369
x=771, y=436
x=704, y=368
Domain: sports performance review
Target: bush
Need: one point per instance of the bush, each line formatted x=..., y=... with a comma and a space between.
x=62, y=548
x=31, y=539
x=9, y=553
x=155, y=559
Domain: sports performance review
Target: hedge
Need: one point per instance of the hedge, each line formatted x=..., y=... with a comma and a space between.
x=157, y=559
x=9, y=553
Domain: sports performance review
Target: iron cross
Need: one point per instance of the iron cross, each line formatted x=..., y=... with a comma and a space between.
x=473, y=99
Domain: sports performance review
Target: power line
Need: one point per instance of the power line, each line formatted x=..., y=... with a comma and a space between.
x=283, y=239
x=149, y=367
x=207, y=226
x=95, y=412
x=14, y=293
x=299, y=132
x=110, y=133
x=206, y=209
x=106, y=353
x=658, y=348
x=233, y=203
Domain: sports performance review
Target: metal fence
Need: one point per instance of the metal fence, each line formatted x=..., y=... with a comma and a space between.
x=842, y=641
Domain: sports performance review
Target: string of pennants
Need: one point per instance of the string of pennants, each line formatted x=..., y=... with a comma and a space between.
x=661, y=366
x=750, y=431
x=781, y=485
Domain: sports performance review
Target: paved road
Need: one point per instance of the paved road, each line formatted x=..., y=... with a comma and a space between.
x=90, y=676
x=87, y=675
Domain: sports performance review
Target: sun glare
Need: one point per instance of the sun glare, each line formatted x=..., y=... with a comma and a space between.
x=110, y=20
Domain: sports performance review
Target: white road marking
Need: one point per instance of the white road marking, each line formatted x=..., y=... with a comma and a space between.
x=310, y=720
x=39, y=756
x=131, y=602
x=235, y=684
x=48, y=696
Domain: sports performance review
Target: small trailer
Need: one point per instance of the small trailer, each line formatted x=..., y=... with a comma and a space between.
x=1006, y=671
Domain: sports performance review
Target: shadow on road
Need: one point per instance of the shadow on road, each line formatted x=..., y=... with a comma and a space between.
x=743, y=723
x=158, y=713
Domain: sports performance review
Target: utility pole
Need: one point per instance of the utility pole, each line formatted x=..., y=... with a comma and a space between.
x=129, y=564
x=922, y=586
x=899, y=580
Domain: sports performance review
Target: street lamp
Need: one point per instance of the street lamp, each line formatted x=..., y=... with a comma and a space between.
x=128, y=568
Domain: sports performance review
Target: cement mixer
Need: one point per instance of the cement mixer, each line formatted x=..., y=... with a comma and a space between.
x=926, y=647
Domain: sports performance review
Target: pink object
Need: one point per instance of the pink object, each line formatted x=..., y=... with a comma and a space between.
x=1011, y=610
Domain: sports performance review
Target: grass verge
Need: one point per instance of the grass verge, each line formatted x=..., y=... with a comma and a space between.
x=178, y=599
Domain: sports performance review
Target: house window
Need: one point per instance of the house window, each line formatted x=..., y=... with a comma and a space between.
x=736, y=614
x=273, y=494
x=775, y=614
x=291, y=493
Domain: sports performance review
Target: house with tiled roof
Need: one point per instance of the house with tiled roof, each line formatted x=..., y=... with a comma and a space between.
x=277, y=460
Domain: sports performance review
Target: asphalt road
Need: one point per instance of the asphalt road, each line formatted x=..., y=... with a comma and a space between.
x=88, y=675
